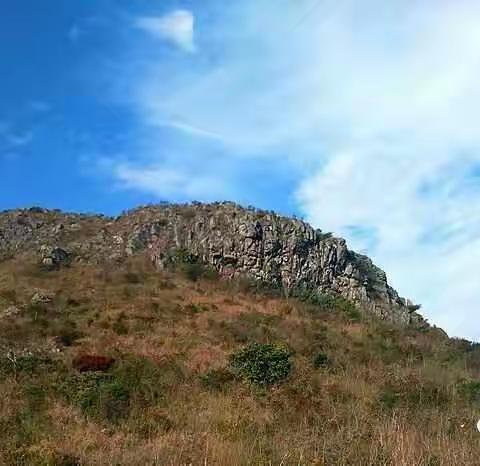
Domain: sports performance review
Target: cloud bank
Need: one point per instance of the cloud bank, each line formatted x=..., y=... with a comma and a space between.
x=373, y=106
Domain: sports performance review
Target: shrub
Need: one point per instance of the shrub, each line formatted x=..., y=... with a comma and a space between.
x=133, y=278
x=470, y=390
x=414, y=394
x=29, y=364
x=100, y=396
x=66, y=333
x=388, y=398
x=111, y=397
x=321, y=360
x=327, y=302
x=193, y=308
x=210, y=273
x=119, y=327
x=192, y=272
x=262, y=364
x=182, y=256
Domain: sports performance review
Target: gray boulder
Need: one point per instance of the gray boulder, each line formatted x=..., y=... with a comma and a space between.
x=53, y=257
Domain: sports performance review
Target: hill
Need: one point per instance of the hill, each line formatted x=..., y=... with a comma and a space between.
x=278, y=251
x=119, y=347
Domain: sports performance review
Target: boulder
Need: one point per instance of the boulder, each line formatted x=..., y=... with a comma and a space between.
x=42, y=298
x=53, y=257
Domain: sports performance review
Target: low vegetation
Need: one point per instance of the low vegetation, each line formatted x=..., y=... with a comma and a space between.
x=131, y=366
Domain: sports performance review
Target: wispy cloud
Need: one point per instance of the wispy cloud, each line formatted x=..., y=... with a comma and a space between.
x=373, y=105
x=176, y=27
x=189, y=129
x=40, y=106
x=19, y=139
x=168, y=183
x=74, y=32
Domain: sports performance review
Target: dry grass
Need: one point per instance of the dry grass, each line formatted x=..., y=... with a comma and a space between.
x=386, y=397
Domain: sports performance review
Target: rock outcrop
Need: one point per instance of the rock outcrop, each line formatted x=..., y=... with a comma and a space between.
x=282, y=251
x=53, y=257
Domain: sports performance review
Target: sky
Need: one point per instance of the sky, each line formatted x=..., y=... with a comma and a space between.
x=361, y=117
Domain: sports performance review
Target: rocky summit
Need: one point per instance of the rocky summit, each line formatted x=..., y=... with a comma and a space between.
x=236, y=241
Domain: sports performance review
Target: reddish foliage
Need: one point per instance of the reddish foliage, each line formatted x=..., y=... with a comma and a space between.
x=92, y=362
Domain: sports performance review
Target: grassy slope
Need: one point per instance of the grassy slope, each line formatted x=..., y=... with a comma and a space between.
x=381, y=395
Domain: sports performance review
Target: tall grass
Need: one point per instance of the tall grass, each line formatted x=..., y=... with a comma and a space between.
x=349, y=391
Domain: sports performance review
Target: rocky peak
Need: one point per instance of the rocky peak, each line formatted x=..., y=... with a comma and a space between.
x=278, y=250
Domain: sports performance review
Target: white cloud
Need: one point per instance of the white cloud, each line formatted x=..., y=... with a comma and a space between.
x=168, y=183
x=376, y=105
x=176, y=27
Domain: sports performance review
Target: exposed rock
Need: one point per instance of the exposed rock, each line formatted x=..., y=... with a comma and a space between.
x=42, y=298
x=11, y=311
x=281, y=251
x=53, y=257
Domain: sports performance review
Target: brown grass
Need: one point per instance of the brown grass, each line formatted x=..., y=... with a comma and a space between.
x=387, y=397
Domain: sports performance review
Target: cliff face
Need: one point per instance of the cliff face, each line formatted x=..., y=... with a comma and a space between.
x=236, y=241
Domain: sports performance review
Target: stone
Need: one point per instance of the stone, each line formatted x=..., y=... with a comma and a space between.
x=53, y=257
x=11, y=311
x=42, y=298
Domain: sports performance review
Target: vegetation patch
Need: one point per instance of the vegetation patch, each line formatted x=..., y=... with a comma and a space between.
x=328, y=303
x=470, y=390
x=29, y=364
x=321, y=360
x=262, y=364
x=217, y=379
x=100, y=396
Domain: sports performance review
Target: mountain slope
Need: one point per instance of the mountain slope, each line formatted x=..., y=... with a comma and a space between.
x=131, y=365
x=278, y=251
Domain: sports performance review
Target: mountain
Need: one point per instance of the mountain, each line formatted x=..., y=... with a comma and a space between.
x=275, y=250
x=213, y=334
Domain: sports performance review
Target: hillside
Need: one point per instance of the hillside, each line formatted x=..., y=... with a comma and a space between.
x=120, y=347
x=278, y=251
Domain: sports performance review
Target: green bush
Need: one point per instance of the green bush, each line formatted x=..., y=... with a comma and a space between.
x=100, y=396
x=470, y=390
x=262, y=364
x=182, y=256
x=113, y=396
x=210, y=273
x=328, y=303
x=414, y=394
x=321, y=360
x=192, y=272
x=26, y=364
x=193, y=308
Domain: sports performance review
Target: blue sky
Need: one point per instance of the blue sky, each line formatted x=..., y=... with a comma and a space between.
x=359, y=116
